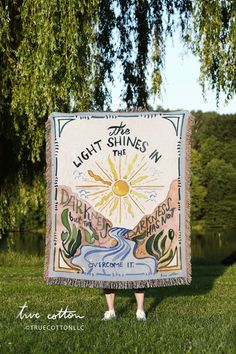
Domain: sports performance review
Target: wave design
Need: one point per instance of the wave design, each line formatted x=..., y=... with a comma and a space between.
x=117, y=261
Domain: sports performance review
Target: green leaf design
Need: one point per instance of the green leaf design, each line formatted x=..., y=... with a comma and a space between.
x=155, y=244
x=140, y=237
x=171, y=234
x=163, y=245
x=88, y=237
x=170, y=257
x=149, y=246
x=66, y=254
x=77, y=243
x=64, y=220
x=74, y=232
x=94, y=234
x=72, y=239
x=64, y=236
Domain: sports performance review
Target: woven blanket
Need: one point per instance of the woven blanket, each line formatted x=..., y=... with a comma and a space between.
x=118, y=199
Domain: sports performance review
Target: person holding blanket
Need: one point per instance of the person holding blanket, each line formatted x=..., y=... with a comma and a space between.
x=110, y=299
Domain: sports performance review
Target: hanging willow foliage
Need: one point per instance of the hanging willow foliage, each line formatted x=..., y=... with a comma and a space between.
x=214, y=42
x=47, y=60
x=48, y=51
x=133, y=32
x=60, y=55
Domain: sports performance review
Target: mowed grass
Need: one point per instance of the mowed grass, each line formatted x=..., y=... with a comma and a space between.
x=200, y=318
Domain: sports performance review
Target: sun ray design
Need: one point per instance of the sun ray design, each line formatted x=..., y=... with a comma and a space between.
x=130, y=166
x=119, y=189
x=151, y=180
x=148, y=187
x=140, y=179
x=91, y=186
x=115, y=205
x=136, y=172
x=105, y=173
x=129, y=206
x=139, y=207
x=112, y=167
x=104, y=199
x=107, y=204
x=98, y=178
x=139, y=195
x=120, y=213
x=99, y=192
x=119, y=167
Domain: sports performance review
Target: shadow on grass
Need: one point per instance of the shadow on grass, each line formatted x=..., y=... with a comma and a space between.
x=203, y=278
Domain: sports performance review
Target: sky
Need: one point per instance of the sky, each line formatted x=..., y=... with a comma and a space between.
x=181, y=89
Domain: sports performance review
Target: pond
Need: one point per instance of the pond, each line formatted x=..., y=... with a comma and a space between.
x=211, y=246
x=32, y=243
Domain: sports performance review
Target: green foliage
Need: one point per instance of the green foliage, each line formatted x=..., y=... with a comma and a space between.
x=214, y=42
x=60, y=56
x=47, y=51
x=213, y=169
x=142, y=26
x=22, y=204
x=220, y=178
x=47, y=64
x=140, y=29
x=198, y=190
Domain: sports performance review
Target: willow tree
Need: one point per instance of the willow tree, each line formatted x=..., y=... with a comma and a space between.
x=59, y=55
x=135, y=31
x=47, y=63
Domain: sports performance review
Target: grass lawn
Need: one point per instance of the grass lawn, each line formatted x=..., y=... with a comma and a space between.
x=200, y=318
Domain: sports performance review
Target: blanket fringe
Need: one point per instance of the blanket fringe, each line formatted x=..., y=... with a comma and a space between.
x=187, y=198
x=140, y=284
x=49, y=198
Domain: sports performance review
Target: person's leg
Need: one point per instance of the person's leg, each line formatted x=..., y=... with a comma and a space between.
x=110, y=298
x=139, y=295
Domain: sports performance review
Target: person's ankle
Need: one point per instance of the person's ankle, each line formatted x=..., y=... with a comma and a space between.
x=140, y=309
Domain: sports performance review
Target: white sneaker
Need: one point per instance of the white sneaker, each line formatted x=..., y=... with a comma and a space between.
x=108, y=315
x=140, y=315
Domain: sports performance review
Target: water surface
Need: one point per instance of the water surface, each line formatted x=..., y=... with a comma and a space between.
x=210, y=246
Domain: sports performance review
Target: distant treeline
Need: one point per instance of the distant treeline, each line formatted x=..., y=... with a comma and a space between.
x=213, y=177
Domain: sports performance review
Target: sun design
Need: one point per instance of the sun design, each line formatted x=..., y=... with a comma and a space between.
x=120, y=187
